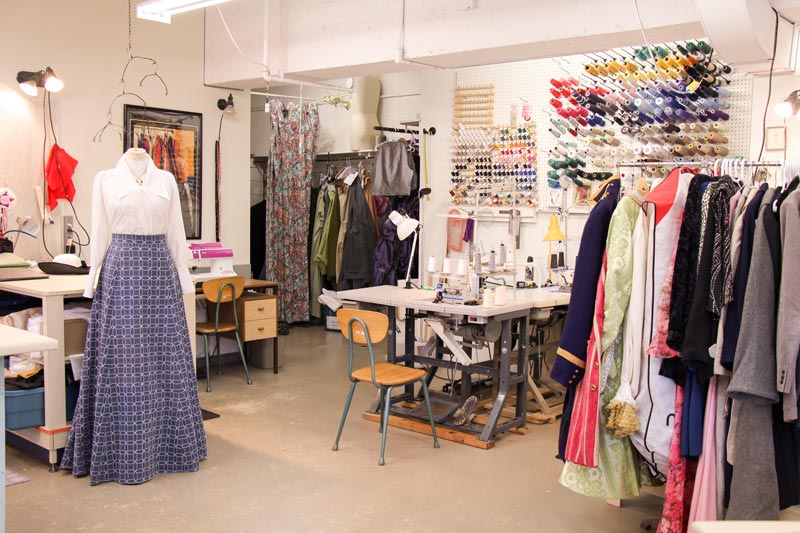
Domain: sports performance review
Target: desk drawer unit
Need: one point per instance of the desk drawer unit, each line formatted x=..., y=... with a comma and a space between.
x=258, y=316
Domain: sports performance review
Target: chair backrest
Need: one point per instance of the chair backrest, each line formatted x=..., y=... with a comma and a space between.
x=224, y=290
x=377, y=325
x=211, y=289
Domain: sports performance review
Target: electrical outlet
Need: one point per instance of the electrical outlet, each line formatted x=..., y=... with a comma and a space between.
x=68, y=225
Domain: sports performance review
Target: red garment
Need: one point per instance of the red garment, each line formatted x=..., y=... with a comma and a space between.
x=583, y=429
x=680, y=479
x=58, y=173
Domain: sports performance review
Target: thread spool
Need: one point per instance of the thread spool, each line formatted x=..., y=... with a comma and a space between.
x=477, y=262
x=432, y=263
x=447, y=266
x=492, y=261
x=463, y=267
x=502, y=253
x=500, y=295
x=488, y=298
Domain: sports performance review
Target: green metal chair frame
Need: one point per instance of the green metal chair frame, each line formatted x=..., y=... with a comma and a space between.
x=385, y=391
x=216, y=334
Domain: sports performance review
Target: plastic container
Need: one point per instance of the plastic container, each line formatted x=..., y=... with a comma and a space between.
x=24, y=408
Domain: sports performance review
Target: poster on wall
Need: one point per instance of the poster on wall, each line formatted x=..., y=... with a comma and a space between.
x=175, y=143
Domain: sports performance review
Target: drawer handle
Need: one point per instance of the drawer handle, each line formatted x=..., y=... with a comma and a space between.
x=260, y=308
x=261, y=328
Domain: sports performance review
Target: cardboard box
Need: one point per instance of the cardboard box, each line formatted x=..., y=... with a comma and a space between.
x=75, y=335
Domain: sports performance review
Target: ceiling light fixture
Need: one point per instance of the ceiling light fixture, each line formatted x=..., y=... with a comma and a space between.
x=29, y=82
x=790, y=106
x=162, y=10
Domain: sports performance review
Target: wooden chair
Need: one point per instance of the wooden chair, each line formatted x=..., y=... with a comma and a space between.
x=366, y=328
x=222, y=291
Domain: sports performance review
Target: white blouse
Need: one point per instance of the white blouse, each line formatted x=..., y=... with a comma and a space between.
x=121, y=205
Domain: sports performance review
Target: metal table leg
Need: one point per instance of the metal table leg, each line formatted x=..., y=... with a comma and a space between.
x=505, y=377
x=391, y=353
x=522, y=360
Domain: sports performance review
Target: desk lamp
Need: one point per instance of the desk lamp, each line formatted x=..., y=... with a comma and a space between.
x=405, y=227
x=554, y=233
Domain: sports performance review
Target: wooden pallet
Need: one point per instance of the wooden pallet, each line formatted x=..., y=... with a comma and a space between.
x=470, y=439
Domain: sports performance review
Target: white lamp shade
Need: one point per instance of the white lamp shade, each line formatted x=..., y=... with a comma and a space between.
x=405, y=224
x=784, y=109
x=29, y=87
x=53, y=84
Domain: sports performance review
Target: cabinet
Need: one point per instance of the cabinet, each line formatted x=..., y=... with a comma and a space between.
x=258, y=319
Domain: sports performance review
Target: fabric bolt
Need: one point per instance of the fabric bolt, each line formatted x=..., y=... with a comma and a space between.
x=734, y=316
x=788, y=334
x=683, y=283
x=288, y=188
x=395, y=174
x=138, y=412
x=704, y=496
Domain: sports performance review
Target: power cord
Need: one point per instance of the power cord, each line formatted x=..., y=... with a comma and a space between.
x=769, y=87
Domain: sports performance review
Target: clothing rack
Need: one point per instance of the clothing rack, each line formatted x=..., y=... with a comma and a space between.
x=396, y=130
x=344, y=156
x=751, y=164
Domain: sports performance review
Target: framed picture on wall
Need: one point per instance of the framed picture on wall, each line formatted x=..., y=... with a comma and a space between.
x=776, y=138
x=174, y=140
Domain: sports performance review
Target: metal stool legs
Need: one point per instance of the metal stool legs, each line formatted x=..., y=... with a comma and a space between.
x=387, y=401
x=344, y=415
x=244, y=362
x=208, y=365
x=430, y=413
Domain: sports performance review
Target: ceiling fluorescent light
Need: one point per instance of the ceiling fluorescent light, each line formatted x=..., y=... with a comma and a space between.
x=162, y=10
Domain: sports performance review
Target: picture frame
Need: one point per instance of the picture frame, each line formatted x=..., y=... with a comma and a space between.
x=776, y=138
x=174, y=140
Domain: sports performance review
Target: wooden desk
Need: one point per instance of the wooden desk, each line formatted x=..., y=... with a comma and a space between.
x=521, y=303
x=52, y=291
x=15, y=341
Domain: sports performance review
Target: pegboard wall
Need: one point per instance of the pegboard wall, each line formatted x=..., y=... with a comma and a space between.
x=529, y=82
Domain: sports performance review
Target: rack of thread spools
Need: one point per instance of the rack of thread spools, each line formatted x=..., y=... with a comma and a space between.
x=668, y=102
x=495, y=166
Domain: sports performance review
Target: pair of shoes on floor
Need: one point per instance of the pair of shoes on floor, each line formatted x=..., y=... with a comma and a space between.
x=464, y=413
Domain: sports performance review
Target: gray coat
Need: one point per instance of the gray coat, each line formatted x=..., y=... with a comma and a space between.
x=788, y=332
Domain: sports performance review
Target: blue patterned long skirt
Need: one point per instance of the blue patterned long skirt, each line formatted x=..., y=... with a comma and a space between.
x=138, y=413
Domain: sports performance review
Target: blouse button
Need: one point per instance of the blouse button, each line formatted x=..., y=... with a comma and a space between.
x=593, y=387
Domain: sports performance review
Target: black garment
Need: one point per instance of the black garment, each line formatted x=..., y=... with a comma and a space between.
x=359, y=242
x=684, y=274
x=258, y=239
x=734, y=316
x=703, y=331
x=782, y=432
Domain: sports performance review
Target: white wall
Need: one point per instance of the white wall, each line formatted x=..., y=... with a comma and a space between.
x=781, y=87
x=85, y=43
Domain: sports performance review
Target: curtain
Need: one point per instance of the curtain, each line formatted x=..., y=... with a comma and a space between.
x=292, y=147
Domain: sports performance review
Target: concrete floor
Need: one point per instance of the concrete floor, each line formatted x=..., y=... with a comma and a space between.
x=270, y=468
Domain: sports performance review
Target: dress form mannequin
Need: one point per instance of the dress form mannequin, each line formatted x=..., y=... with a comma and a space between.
x=136, y=159
x=364, y=112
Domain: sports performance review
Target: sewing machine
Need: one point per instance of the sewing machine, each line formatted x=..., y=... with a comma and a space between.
x=220, y=260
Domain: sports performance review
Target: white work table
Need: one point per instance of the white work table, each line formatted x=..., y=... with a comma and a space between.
x=515, y=314
x=15, y=341
x=52, y=291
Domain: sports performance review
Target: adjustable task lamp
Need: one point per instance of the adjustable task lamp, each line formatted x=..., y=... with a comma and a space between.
x=789, y=107
x=405, y=227
x=554, y=233
x=29, y=82
x=226, y=104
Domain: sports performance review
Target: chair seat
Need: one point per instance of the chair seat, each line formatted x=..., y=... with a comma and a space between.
x=388, y=374
x=207, y=328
